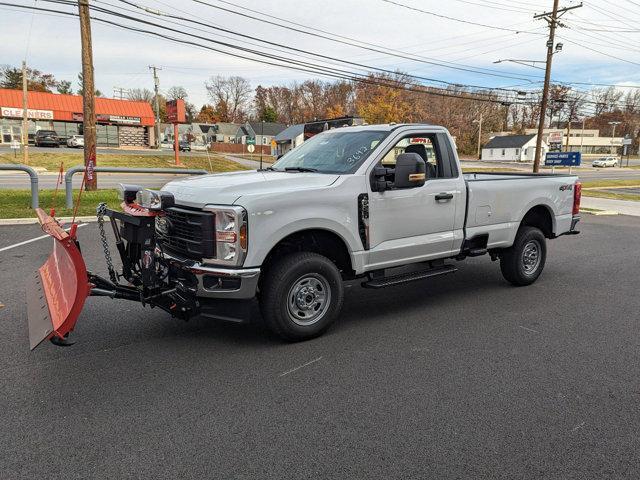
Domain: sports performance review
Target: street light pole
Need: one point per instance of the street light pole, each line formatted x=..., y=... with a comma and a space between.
x=613, y=137
x=261, y=141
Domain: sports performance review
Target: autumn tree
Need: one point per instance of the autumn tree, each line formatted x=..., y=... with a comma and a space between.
x=37, y=81
x=207, y=114
x=381, y=99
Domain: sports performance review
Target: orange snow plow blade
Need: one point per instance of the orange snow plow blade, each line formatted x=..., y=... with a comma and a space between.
x=56, y=292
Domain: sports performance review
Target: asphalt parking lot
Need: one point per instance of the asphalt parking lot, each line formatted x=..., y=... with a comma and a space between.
x=459, y=376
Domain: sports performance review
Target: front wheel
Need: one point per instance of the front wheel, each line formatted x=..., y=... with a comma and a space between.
x=301, y=296
x=523, y=262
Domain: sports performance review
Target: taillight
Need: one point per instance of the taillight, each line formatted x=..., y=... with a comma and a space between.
x=577, y=195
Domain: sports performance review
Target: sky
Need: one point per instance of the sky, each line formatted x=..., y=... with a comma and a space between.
x=601, y=41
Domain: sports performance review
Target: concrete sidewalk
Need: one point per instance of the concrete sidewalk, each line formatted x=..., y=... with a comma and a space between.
x=624, y=207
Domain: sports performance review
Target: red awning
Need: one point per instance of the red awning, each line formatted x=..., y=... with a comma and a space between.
x=64, y=106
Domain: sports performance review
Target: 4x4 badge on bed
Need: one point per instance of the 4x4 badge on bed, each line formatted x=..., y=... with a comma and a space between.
x=566, y=187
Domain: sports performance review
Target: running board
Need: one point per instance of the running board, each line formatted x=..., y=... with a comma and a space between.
x=408, y=277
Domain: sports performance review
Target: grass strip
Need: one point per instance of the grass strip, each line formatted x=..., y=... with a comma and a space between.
x=610, y=195
x=51, y=161
x=15, y=203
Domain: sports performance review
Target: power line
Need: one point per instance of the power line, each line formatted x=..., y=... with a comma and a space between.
x=446, y=17
x=333, y=37
x=298, y=50
x=301, y=66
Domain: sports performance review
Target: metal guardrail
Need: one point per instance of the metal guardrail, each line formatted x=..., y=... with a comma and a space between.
x=32, y=175
x=80, y=168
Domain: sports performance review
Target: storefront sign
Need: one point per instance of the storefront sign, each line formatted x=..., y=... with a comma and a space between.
x=19, y=113
x=567, y=159
x=102, y=118
x=176, y=112
x=127, y=120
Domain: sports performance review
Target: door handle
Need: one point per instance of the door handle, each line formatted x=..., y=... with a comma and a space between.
x=444, y=196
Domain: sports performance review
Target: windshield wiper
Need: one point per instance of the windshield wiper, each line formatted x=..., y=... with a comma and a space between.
x=300, y=169
x=271, y=169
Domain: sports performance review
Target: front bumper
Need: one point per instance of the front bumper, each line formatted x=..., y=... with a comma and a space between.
x=218, y=282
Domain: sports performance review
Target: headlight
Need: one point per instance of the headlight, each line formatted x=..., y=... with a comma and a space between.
x=154, y=199
x=231, y=234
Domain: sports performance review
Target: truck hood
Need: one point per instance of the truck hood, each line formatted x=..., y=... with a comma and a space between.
x=227, y=188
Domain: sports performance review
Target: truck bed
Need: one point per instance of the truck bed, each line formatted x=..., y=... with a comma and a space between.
x=497, y=202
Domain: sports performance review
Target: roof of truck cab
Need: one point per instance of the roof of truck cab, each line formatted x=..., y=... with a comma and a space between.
x=388, y=127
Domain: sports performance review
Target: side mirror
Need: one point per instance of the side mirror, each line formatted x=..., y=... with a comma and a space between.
x=410, y=171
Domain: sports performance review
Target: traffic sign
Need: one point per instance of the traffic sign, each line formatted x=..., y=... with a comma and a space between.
x=251, y=148
x=558, y=159
x=251, y=141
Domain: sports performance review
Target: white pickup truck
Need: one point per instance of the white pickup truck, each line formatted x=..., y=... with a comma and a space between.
x=387, y=204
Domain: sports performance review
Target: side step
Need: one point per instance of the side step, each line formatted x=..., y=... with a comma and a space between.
x=383, y=282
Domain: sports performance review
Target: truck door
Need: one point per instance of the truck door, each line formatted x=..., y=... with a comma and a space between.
x=416, y=224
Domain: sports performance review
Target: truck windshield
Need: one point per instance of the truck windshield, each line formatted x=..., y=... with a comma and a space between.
x=332, y=152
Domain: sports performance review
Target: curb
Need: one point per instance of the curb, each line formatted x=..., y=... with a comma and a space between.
x=595, y=211
x=31, y=221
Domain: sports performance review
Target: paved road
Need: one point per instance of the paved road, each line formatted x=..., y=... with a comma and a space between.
x=457, y=377
x=147, y=151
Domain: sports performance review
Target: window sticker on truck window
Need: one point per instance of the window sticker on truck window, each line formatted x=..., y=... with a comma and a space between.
x=357, y=155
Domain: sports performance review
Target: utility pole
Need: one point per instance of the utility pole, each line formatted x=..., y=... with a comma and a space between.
x=89, y=97
x=552, y=20
x=156, y=83
x=507, y=106
x=25, y=116
x=479, y=122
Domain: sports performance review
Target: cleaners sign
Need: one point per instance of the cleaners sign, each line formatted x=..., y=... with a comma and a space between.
x=19, y=113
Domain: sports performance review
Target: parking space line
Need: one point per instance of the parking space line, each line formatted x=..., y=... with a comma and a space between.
x=300, y=366
x=34, y=239
x=528, y=329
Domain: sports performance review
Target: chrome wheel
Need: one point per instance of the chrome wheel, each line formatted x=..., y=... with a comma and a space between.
x=308, y=299
x=531, y=257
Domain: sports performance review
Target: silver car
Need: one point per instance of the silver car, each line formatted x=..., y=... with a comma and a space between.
x=75, y=141
x=605, y=162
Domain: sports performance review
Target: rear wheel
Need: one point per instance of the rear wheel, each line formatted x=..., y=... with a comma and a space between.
x=301, y=296
x=522, y=263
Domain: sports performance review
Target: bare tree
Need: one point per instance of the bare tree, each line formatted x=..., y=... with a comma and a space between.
x=231, y=96
x=177, y=93
x=141, y=95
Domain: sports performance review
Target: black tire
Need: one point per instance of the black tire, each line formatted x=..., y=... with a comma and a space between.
x=290, y=296
x=522, y=263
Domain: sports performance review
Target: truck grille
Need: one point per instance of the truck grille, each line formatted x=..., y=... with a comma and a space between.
x=189, y=233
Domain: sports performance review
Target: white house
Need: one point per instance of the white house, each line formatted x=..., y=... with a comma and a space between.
x=512, y=148
x=289, y=138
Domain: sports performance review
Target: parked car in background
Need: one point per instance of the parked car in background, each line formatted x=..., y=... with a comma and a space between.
x=46, y=138
x=184, y=146
x=75, y=141
x=605, y=162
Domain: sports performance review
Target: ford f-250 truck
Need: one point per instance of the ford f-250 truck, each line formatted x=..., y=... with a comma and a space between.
x=387, y=204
